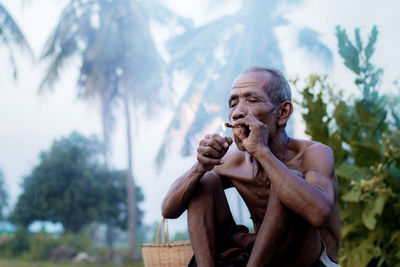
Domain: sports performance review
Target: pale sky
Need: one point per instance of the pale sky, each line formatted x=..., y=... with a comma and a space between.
x=30, y=122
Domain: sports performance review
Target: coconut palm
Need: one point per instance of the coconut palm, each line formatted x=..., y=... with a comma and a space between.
x=12, y=37
x=119, y=64
x=215, y=53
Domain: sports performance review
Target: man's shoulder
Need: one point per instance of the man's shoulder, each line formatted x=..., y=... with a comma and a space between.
x=317, y=148
x=310, y=147
x=317, y=156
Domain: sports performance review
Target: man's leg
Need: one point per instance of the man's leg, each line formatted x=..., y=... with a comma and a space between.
x=209, y=220
x=284, y=239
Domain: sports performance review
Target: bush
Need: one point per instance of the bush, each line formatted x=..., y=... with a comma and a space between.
x=39, y=246
x=16, y=244
x=365, y=136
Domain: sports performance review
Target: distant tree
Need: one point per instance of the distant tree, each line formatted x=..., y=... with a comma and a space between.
x=3, y=195
x=119, y=64
x=365, y=136
x=11, y=37
x=71, y=186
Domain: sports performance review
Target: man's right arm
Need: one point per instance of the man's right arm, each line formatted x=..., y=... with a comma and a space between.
x=181, y=191
x=209, y=154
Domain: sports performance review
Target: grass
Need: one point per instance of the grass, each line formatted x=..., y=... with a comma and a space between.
x=20, y=263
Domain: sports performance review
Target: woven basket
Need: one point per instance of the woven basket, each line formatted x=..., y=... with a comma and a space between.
x=170, y=254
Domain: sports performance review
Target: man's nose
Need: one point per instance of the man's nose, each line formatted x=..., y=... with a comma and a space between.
x=240, y=112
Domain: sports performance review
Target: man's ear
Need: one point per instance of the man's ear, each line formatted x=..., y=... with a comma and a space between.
x=284, y=112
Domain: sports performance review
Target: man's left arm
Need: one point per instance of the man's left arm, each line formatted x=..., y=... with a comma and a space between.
x=311, y=197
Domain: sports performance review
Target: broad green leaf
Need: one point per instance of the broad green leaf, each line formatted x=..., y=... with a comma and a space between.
x=342, y=118
x=369, y=49
x=350, y=171
x=358, y=39
x=353, y=195
x=395, y=235
x=351, y=228
x=381, y=261
x=363, y=255
x=394, y=178
x=365, y=154
x=371, y=210
x=364, y=112
x=347, y=51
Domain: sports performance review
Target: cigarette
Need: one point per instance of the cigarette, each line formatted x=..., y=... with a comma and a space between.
x=227, y=124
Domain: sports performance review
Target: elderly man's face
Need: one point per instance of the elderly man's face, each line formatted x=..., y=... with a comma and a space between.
x=248, y=98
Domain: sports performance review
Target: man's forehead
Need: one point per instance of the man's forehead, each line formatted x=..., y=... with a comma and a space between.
x=251, y=79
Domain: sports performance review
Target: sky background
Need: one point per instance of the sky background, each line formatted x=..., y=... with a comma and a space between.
x=29, y=122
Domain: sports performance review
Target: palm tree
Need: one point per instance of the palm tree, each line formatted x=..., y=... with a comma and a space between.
x=215, y=53
x=119, y=64
x=11, y=36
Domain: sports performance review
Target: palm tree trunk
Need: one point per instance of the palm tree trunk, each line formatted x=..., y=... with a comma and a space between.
x=106, y=129
x=130, y=188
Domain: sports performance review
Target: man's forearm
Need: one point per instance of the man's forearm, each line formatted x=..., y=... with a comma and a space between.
x=181, y=191
x=294, y=191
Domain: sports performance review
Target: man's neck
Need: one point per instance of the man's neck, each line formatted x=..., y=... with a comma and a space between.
x=279, y=146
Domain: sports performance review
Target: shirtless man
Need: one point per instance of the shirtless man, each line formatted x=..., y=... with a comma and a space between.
x=289, y=185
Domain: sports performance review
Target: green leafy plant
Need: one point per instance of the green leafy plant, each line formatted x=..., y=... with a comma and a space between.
x=365, y=136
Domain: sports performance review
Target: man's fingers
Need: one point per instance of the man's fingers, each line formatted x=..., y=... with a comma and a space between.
x=229, y=140
x=214, y=142
x=208, y=151
x=221, y=141
x=208, y=161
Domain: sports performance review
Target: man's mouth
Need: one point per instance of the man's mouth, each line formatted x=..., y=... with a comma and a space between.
x=241, y=131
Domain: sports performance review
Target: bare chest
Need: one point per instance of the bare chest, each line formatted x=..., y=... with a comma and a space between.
x=253, y=184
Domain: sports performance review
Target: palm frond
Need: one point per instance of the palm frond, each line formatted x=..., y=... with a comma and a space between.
x=11, y=34
x=53, y=71
x=154, y=10
x=309, y=39
x=217, y=52
x=10, y=31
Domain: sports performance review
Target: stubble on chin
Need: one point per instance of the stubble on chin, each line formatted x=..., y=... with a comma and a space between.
x=238, y=143
x=239, y=133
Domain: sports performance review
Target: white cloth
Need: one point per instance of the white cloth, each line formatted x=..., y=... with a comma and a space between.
x=326, y=260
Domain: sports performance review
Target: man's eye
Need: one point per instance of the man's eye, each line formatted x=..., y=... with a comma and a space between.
x=233, y=103
x=252, y=100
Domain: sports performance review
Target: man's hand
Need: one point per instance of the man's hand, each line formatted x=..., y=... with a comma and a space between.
x=252, y=133
x=211, y=150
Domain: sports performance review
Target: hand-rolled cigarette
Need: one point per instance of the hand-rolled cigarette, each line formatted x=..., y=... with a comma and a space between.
x=247, y=130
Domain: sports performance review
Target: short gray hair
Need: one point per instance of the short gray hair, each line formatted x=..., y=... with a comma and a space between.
x=278, y=88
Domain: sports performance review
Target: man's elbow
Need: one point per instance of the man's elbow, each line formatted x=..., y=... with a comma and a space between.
x=167, y=212
x=322, y=215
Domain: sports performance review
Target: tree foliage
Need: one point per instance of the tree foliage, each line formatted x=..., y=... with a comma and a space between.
x=117, y=54
x=365, y=136
x=119, y=64
x=3, y=195
x=11, y=36
x=71, y=186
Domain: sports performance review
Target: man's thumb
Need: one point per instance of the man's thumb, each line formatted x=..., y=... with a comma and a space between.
x=229, y=139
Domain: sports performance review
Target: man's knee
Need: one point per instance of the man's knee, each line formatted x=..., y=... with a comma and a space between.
x=210, y=197
x=211, y=183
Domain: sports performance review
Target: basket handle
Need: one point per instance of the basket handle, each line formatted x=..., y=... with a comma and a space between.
x=161, y=226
